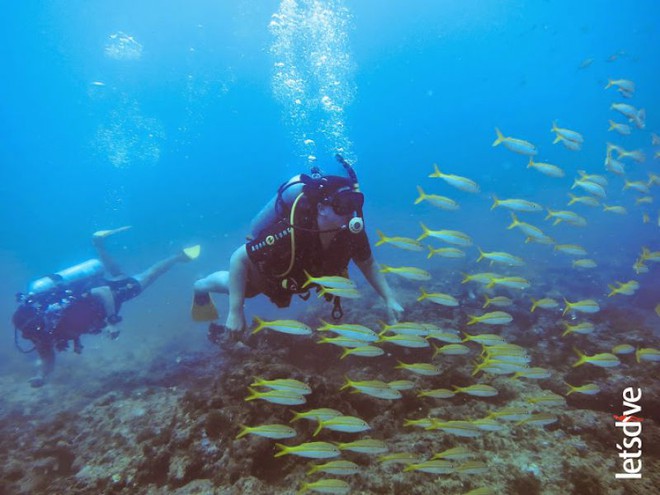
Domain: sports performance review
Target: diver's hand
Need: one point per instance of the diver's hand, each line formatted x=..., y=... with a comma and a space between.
x=236, y=321
x=394, y=311
x=111, y=331
x=37, y=381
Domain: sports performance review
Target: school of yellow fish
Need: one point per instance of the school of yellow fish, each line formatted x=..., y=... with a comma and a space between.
x=491, y=353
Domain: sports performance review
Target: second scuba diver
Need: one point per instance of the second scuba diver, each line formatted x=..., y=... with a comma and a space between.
x=83, y=299
x=312, y=226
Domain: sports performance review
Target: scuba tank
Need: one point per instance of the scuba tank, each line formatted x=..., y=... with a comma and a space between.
x=73, y=275
x=277, y=206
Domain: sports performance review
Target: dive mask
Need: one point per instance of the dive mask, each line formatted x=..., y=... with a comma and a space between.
x=347, y=202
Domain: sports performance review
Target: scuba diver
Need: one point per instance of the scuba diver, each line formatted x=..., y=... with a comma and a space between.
x=83, y=299
x=313, y=226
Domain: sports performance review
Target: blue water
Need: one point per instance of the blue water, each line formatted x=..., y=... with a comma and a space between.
x=186, y=140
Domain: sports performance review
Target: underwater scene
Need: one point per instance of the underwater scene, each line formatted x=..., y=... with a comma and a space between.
x=330, y=246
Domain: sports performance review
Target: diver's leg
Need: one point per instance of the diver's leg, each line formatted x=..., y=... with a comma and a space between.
x=107, y=298
x=233, y=282
x=203, y=308
x=217, y=282
x=111, y=266
x=147, y=277
x=47, y=364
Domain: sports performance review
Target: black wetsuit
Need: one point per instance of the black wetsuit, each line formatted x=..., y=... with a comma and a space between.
x=60, y=320
x=271, y=252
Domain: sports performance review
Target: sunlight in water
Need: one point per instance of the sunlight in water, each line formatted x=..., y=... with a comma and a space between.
x=128, y=138
x=312, y=75
x=122, y=46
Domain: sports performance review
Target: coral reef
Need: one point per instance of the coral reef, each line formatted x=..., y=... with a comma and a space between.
x=171, y=427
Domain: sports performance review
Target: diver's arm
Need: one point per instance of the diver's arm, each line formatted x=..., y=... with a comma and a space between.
x=238, y=272
x=104, y=294
x=371, y=272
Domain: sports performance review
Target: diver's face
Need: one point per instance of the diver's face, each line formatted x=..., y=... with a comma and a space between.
x=329, y=219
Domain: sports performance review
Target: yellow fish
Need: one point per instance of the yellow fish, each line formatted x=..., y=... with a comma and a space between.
x=450, y=236
x=315, y=414
x=438, y=298
x=400, y=242
x=492, y=318
x=346, y=424
x=438, y=393
x=345, y=293
x=451, y=350
x=545, y=303
x=546, y=168
x=500, y=257
x=598, y=179
x=584, y=328
x=627, y=289
x=364, y=351
x=292, y=327
x=440, y=201
x=510, y=282
x=637, y=155
x=446, y=252
x=397, y=458
x=374, y=388
x=437, y=466
x=283, y=384
x=274, y=431
x=313, y=450
x=622, y=85
x=499, y=301
x=584, y=263
x=584, y=306
x=566, y=133
x=516, y=204
x=329, y=281
x=573, y=249
x=462, y=183
x=585, y=200
x=285, y=397
x=516, y=145
x=528, y=229
x=623, y=129
x=647, y=354
x=566, y=216
x=419, y=368
x=341, y=468
x=620, y=210
x=591, y=187
x=408, y=272
x=365, y=446
x=588, y=389
x=623, y=349
x=479, y=390
x=455, y=454
x=603, y=360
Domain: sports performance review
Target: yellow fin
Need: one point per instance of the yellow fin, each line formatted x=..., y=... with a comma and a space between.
x=106, y=233
x=203, y=310
x=192, y=252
